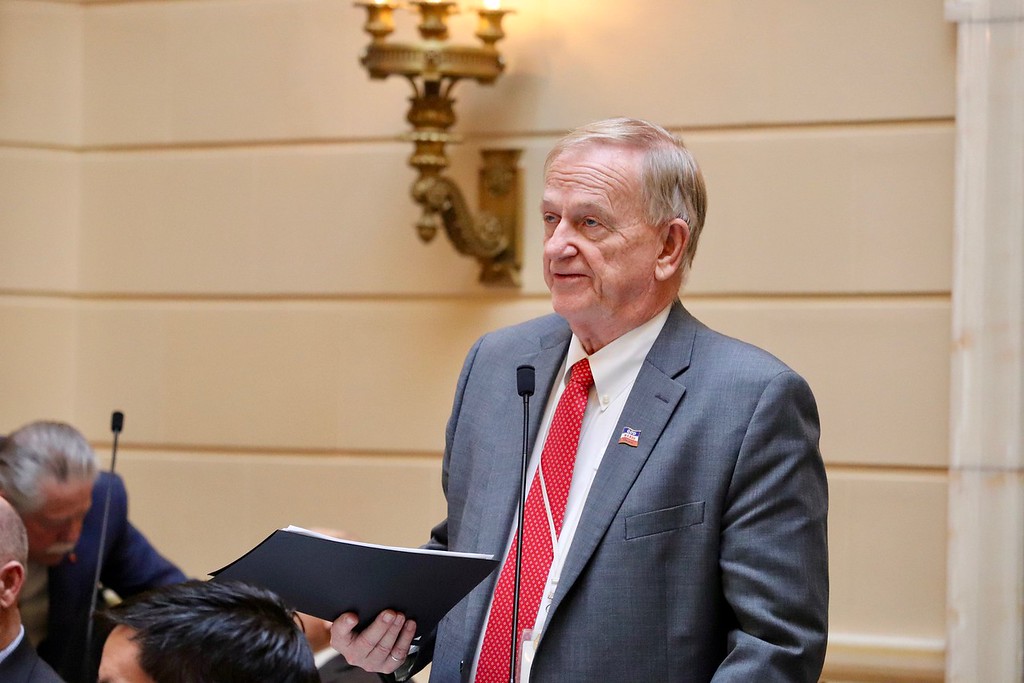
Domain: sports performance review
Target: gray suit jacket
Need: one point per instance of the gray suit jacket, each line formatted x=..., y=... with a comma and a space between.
x=701, y=554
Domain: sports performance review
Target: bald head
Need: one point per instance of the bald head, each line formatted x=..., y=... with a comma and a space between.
x=13, y=539
x=13, y=558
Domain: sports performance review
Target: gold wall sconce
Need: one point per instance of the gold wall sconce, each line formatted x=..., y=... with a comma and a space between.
x=433, y=66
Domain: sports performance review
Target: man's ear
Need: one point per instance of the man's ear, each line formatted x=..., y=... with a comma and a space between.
x=670, y=260
x=12, y=577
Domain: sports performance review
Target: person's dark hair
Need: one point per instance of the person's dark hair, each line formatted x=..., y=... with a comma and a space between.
x=215, y=632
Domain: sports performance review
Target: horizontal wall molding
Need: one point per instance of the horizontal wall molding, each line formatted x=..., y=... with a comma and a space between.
x=26, y=297
x=482, y=138
x=883, y=659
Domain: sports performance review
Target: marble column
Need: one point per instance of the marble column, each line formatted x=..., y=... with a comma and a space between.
x=986, y=491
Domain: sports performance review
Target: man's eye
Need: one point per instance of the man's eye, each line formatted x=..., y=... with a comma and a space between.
x=550, y=219
x=591, y=222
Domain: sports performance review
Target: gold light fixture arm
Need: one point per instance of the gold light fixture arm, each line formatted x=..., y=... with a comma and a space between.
x=491, y=237
x=433, y=67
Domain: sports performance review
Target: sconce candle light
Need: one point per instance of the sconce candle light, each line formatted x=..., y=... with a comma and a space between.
x=433, y=66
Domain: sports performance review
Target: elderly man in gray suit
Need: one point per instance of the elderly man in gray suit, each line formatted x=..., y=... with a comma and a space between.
x=688, y=542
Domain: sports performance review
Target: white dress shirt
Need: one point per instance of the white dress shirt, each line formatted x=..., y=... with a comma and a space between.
x=13, y=645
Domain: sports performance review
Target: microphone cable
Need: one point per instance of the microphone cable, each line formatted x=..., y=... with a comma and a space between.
x=525, y=384
x=116, y=425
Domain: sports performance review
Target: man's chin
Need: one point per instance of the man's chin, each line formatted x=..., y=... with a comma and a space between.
x=571, y=301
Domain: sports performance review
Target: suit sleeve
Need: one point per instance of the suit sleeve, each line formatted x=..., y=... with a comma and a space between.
x=439, y=534
x=774, y=557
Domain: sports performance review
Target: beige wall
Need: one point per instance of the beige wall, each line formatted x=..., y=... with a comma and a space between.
x=205, y=223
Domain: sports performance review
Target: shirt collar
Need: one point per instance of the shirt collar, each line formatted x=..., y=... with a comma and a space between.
x=6, y=652
x=616, y=365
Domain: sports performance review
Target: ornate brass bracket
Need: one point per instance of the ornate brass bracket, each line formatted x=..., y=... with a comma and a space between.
x=433, y=67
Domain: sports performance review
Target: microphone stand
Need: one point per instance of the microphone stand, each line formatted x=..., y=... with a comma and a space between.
x=525, y=382
x=116, y=425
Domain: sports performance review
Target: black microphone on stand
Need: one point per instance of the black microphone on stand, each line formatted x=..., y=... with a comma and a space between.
x=116, y=425
x=525, y=383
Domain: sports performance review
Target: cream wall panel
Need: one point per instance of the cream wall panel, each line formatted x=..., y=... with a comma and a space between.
x=879, y=369
x=204, y=510
x=887, y=550
x=267, y=220
x=858, y=209
x=371, y=375
x=325, y=375
x=721, y=63
x=38, y=361
x=39, y=217
x=40, y=73
x=839, y=209
x=162, y=72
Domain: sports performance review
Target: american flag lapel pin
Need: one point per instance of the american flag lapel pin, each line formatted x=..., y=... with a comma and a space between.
x=630, y=437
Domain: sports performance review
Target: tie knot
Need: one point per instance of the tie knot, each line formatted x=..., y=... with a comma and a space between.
x=581, y=375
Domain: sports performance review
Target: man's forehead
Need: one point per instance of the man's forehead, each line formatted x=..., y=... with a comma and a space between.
x=590, y=195
x=120, y=662
x=599, y=150
x=61, y=497
x=595, y=171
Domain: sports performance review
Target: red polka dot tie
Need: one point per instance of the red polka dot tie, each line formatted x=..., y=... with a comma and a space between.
x=557, y=461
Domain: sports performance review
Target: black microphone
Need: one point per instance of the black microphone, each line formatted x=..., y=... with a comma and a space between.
x=116, y=425
x=525, y=383
x=526, y=378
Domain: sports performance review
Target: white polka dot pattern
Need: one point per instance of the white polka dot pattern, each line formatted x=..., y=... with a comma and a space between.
x=557, y=460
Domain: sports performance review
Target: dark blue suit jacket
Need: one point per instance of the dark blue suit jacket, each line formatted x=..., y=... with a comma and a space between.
x=130, y=565
x=24, y=666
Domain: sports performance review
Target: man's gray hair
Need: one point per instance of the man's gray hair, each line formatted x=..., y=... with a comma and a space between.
x=671, y=182
x=13, y=537
x=41, y=450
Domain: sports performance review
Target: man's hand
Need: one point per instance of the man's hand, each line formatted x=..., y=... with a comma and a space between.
x=381, y=647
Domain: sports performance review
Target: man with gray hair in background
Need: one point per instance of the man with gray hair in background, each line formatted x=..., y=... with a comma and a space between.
x=19, y=662
x=49, y=474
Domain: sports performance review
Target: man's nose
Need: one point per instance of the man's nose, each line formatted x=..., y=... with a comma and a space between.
x=560, y=243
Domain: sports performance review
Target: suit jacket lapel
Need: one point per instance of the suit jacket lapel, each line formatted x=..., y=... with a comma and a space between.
x=651, y=404
x=503, y=484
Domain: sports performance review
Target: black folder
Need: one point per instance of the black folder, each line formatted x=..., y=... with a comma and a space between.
x=326, y=577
